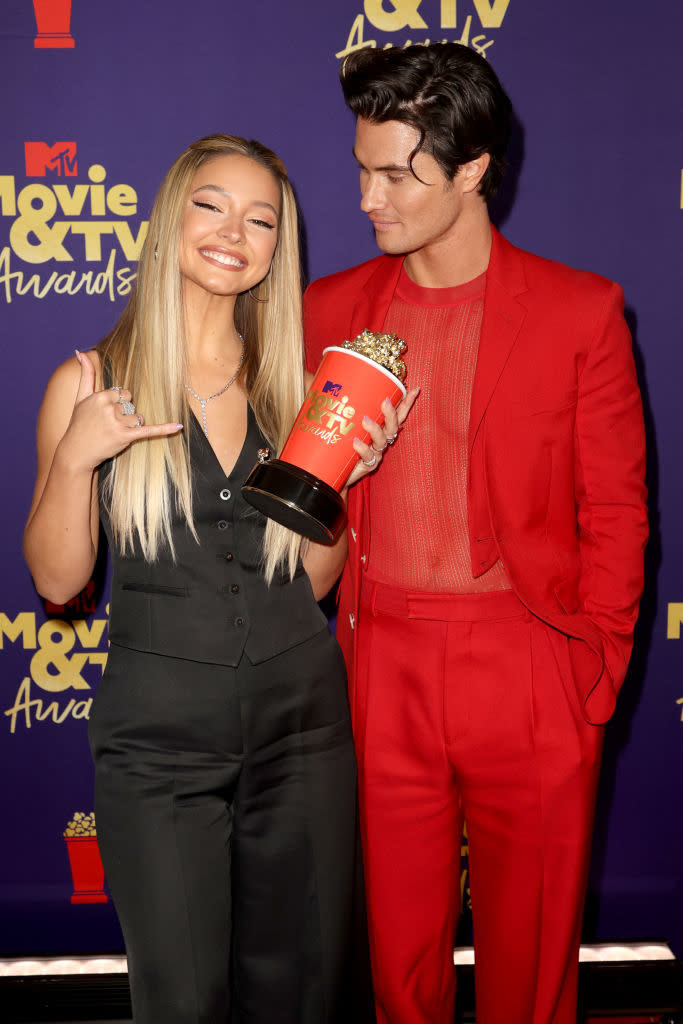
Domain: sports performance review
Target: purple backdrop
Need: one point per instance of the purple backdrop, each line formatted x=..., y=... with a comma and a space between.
x=96, y=107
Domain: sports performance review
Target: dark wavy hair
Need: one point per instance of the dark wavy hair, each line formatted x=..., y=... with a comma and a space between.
x=449, y=93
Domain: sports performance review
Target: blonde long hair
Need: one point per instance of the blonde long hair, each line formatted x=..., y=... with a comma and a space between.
x=146, y=353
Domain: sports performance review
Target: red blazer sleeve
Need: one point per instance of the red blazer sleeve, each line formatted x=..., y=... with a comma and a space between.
x=313, y=335
x=333, y=303
x=327, y=312
x=610, y=489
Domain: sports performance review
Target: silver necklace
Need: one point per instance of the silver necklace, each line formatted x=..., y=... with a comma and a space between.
x=204, y=401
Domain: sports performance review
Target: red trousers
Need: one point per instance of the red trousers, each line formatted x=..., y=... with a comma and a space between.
x=465, y=711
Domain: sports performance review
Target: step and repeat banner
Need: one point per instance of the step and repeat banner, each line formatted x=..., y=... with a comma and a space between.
x=98, y=99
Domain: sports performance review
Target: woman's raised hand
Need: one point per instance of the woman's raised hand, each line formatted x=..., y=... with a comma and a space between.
x=104, y=423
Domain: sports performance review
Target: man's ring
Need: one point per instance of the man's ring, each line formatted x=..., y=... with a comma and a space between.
x=369, y=462
x=128, y=408
x=392, y=438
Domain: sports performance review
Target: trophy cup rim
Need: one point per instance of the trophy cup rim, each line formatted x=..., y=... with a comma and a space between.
x=371, y=362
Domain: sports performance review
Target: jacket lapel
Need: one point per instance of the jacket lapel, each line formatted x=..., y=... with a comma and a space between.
x=503, y=317
x=371, y=309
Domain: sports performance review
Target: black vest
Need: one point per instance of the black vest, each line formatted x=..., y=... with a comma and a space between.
x=212, y=603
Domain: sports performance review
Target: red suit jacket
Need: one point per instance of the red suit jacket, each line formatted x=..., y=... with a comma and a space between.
x=556, y=445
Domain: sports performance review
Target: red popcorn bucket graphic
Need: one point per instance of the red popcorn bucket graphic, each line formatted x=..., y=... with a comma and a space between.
x=87, y=872
x=53, y=20
x=300, y=489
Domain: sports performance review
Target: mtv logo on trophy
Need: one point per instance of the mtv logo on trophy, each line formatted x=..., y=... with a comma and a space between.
x=53, y=19
x=301, y=488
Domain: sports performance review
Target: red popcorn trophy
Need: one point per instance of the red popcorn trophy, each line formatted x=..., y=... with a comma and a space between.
x=300, y=489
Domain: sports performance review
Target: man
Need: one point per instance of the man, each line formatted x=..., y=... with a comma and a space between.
x=488, y=601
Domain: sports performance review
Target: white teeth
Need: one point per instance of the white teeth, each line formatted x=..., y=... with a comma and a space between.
x=221, y=257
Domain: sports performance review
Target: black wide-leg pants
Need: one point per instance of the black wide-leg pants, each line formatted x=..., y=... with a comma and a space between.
x=226, y=817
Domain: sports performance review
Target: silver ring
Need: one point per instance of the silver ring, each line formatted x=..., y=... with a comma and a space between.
x=128, y=408
x=392, y=438
x=139, y=419
x=380, y=450
x=115, y=387
x=370, y=462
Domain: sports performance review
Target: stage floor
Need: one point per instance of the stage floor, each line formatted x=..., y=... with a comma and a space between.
x=620, y=984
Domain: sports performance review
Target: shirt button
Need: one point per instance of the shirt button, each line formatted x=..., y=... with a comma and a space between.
x=222, y=524
x=239, y=621
x=228, y=556
x=235, y=588
x=226, y=494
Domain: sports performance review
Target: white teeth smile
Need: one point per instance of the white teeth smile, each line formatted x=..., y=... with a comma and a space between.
x=222, y=257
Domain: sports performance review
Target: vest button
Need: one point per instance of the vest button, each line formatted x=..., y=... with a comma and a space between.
x=235, y=588
x=239, y=621
x=228, y=556
x=226, y=494
x=222, y=524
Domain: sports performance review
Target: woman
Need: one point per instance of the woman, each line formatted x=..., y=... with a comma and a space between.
x=225, y=774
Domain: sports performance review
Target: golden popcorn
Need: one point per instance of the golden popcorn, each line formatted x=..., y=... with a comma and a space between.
x=384, y=349
x=81, y=826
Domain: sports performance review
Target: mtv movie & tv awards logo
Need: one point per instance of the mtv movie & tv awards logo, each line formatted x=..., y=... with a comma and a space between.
x=384, y=23
x=61, y=659
x=65, y=229
x=326, y=414
x=674, y=618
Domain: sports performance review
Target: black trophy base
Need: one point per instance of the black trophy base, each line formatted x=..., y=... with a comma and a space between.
x=296, y=499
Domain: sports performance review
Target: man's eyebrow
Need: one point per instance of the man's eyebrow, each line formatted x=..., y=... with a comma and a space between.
x=224, y=192
x=385, y=167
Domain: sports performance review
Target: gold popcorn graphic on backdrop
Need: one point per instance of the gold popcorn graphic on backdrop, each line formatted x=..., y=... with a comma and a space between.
x=82, y=825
